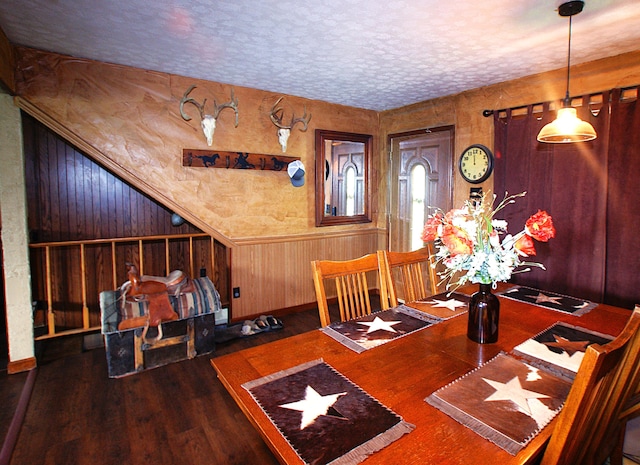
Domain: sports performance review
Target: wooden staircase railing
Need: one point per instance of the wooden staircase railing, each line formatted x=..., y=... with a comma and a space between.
x=72, y=247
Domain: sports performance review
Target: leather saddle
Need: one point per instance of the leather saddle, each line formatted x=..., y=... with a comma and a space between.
x=155, y=290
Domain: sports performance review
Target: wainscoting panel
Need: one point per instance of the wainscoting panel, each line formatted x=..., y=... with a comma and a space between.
x=276, y=274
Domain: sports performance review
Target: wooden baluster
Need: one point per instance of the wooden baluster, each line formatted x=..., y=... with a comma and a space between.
x=86, y=311
x=191, y=256
x=114, y=271
x=213, y=258
x=51, y=320
x=83, y=278
x=167, y=262
x=141, y=256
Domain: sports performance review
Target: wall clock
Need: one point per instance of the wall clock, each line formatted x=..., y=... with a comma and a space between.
x=476, y=163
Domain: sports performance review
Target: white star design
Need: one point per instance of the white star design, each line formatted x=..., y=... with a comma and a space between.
x=312, y=406
x=451, y=304
x=541, y=298
x=513, y=391
x=379, y=323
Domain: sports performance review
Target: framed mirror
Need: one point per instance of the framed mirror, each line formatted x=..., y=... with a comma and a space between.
x=343, y=190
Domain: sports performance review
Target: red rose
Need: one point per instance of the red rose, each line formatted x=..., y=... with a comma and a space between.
x=430, y=231
x=540, y=226
x=525, y=246
x=456, y=240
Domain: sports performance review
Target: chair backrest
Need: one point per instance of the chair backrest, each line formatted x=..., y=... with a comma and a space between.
x=412, y=269
x=590, y=425
x=350, y=277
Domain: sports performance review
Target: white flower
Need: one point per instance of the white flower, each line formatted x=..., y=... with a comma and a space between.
x=499, y=224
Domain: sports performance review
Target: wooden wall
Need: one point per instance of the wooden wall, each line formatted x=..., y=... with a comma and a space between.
x=74, y=198
x=70, y=198
x=275, y=273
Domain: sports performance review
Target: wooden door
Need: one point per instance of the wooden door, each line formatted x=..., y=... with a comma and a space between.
x=421, y=171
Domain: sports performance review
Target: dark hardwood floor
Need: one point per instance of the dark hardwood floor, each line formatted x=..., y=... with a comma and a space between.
x=177, y=414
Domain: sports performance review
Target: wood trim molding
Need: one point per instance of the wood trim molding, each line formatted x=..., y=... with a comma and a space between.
x=19, y=366
x=7, y=63
x=308, y=237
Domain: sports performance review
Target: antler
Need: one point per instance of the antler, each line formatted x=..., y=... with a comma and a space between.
x=233, y=104
x=199, y=106
x=277, y=114
x=304, y=120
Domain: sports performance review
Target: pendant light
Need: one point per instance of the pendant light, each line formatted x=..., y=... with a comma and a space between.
x=567, y=127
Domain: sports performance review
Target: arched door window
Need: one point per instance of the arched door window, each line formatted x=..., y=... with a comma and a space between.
x=350, y=191
x=417, y=192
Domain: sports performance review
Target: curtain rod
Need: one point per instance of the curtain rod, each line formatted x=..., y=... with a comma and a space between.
x=487, y=113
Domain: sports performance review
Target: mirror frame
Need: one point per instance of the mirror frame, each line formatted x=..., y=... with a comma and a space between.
x=323, y=135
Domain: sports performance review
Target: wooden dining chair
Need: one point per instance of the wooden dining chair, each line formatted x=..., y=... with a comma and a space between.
x=590, y=427
x=352, y=287
x=413, y=270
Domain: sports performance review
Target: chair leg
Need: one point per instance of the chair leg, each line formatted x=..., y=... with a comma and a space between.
x=616, y=454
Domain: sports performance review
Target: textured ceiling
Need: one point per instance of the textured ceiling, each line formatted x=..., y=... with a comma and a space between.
x=374, y=54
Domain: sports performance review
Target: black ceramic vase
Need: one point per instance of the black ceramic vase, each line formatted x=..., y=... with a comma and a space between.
x=484, y=313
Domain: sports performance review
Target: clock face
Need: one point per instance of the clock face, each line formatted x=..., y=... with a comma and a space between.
x=476, y=163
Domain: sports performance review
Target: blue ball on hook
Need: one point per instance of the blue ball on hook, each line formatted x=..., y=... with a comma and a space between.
x=177, y=220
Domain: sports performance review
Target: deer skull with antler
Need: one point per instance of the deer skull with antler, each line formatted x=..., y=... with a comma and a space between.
x=208, y=122
x=276, y=115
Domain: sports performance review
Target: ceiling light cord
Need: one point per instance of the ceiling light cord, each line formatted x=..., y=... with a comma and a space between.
x=567, y=127
x=567, y=97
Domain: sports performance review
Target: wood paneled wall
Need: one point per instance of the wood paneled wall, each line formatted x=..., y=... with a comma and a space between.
x=73, y=198
x=70, y=197
x=276, y=274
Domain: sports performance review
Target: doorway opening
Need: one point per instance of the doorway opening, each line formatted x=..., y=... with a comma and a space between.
x=420, y=180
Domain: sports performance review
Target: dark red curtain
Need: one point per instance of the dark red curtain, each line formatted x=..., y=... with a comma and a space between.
x=622, y=287
x=588, y=188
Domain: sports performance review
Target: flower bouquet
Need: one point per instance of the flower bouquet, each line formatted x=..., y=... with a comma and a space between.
x=470, y=245
x=471, y=249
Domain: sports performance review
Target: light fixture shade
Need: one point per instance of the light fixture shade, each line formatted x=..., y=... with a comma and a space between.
x=567, y=128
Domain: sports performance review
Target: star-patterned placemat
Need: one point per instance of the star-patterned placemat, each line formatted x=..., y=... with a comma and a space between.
x=378, y=328
x=443, y=306
x=546, y=299
x=560, y=348
x=326, y=418
x=505, y=401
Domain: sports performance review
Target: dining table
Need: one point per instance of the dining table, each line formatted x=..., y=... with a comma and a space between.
x=402, y=373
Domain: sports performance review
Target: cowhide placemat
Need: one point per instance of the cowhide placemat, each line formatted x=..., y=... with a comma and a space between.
x=443, y=306
x=325, y=417
x=551, y=300
x=378, y=328
x=560, y=348
x=505, y=401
